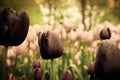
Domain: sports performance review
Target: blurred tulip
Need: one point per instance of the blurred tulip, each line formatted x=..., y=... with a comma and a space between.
x=32, y=35
x=13, y=27
x=20, y=48
x=8, y=62
x=11, y=76
x=31, y=53
x=105, y=33
x=38, y=28
x=68, y=24
x=38, y=74
x=72, y=36
x=78, y=62
x=1, y=49
x=34, y=45
x=79, y=31
x=90, y=69
x=67, y=75
x=25, y=61
x=36, y=64
x=96, y=31
x=115, y=38
x=11, y=53
x=87, y=36
x=63, y=33
x=76, y=44
x=47, y=28
x=50, y=45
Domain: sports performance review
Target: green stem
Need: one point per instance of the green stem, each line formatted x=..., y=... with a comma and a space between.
x=52, y=70
x=3, y=67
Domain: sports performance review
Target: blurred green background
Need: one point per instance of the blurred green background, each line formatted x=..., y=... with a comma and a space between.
x=100, y=10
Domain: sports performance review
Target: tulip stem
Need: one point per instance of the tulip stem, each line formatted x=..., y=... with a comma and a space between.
x=3, y=66
x=52, y=71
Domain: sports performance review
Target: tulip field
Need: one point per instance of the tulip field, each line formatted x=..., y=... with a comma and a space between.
x=64, y=44
x=79, y=49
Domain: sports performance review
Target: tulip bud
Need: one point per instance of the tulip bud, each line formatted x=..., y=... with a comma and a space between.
x=107, y=64
x=105, y=34
x=67, y=75
x=36, y=64
x=50, y=45
x=90, y=69
x=13, y=27
x=38, y=74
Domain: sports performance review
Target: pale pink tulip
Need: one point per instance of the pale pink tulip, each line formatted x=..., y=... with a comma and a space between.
x=30, y=53
x=68, y=24
x=97, y=31
x=115, y=38
x=38, y=28
x=87, y=36
x=21, y=48
x=32, y=35
x=11, y=53
x=8, y=62
x=34, y=45
x=72, y=35
x=76, y=44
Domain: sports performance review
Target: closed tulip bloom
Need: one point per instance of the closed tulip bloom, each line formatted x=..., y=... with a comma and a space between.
x=38, y=74
x=67, y=75
x=50, y=45
x=36, y=64
x=105, y=34
x=13, y=27
x=90, y=69
x=107, y=66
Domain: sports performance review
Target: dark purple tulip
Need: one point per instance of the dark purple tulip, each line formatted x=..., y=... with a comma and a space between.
x=36, y=64
x=105, y=34
x=67, y=75
x=50, y=45
x=38, y=74
x=90, y=69
x=107, y=63
x=13, y=27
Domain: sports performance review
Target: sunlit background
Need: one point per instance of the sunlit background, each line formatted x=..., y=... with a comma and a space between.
x=78, y=24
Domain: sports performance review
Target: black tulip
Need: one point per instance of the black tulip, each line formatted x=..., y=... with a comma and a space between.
x=50, y=45
x=107, y=63
x=105, y=34
x=13, y=27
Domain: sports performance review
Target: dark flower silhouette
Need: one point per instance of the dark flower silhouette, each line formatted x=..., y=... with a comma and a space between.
x=13, y=27
x=50, y=45
x=105, y=34
x=106, y=66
